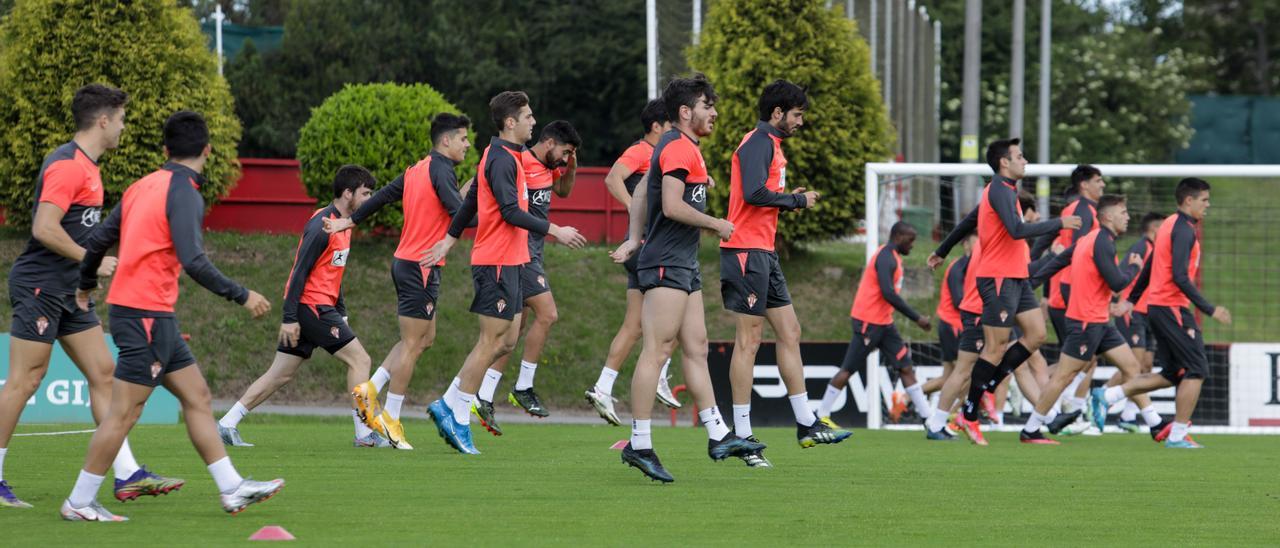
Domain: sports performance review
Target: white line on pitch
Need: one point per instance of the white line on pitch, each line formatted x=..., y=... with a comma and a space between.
x=55, y=433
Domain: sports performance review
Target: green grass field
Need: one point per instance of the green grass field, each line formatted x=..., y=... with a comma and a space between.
x=563, y=485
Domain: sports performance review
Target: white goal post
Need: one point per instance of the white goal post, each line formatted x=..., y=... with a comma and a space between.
x=875, y=171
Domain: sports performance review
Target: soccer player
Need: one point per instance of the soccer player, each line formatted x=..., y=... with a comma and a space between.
x=751, y=281
x=500, y=198
x=948, y=314
x=872, y=317
x=1131, y=320
x=428, y=191
x=1094, y=277
x=550, y=165
x=1002, y=276
x=314, y=313
x=157, y=226
x=669, y=209
x=626, y=173
x=1166, y=283
x=42, y=283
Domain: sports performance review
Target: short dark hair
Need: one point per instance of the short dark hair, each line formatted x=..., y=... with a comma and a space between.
x=352, y=177
x=1151, y=217
x=1027, y=201
x=562, y=132
x=781, y=94
x=1000, y=149
x=654, y=113
x=185, y=134
x=445, y=122
x=94, y=100
x=1080, y=174
x=1110, y=200
x=506, y=105
x=901, y=228
x=684, y=92
x=1190, y=188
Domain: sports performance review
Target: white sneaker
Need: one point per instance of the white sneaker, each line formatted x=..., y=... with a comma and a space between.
x=664, y=393
x=250, y=492
x=1078, y=427
x=604, y=405
x=93, y=512
x=1092, y=431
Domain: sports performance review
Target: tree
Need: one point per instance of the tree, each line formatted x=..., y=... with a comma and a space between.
x=151, y=49
x=745, y=45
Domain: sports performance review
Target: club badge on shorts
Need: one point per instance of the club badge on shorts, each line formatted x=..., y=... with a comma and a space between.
x=502, y=305
x=751, y=300
x=155, y=370
x=42, y=323
x=431, y=307
x=334, y=331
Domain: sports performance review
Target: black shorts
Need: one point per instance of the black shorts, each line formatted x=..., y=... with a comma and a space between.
x=150, y=347
x=417, y=289
x=868, y=337
x=633, y=281
x=971, y=338
x=1058, y=317
x=42, y=317
x=751, y=281
x=1134, y=330
x=687, y=280
x=533, y=279
x=323, y=327
x=1083, y=341
x=1001, y=305
x=497, y=291
x=1179, y=343
x=949, y=340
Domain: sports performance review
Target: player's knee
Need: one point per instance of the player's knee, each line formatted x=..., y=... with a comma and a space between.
x=548, y=317
x=789, y=333
x=749, y=340
x=199, y=402
x=1033, y=338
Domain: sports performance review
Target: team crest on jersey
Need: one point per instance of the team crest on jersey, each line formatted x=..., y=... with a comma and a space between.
x=541, y=197
x=751, y=300
x=155, y=369
x=340, y=257
x=42, y=323
x=431, y=307
x=334, y=331
x=1191, y=332
x=542, y=281
x=502, y=305
x=699, y=194
x=91, y=217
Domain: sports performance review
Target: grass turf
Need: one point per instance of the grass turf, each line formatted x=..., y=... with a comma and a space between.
x=559, y=485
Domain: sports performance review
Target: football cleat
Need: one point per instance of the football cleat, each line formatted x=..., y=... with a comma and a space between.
x=755, y=459
x=231, y=437
x=1128, y=426
x=366, y=400
x=1035, y=438
x=1062, y=421
x=830, y=423
x=1081, y=425
x=1160, y=432
x=93, y=512
x=604, y=405
x=1186, y=443
x=528, y=400
x=249, y=492
x=8, y=499
x=373, y=439
x=393, y=431
x=820, y=432
x=1098, y=407
x=732, y=446
x=145, y=483
x=664, y=393
x=989, y=405
x=971, y=430
x=484, y=410
x=647, y=461
x=898, y=406
x=941, y=435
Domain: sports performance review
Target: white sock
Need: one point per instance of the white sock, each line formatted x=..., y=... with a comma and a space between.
x=1052, y=414
x=525, y=380
x=462, y=413
x=742, y=420
x=605, y=382
x=3, y=451
x=394, y=401
x=1034, y=422
x=1130, y=412
x=86, y=489
x=800, y=408
x=828, y=401
x=380, y=378
x=1113, y=394
x=1068, y=395
x=125, y=465
x=225, y=475
x=1179, y=431
x=1077, y=403
x=640, y=435
x=490, y=384
x=233, y=417
x=1150, y=416
x=711, y=418
x=918, y=399
x=361, y=429
x=663, y=374
x=938, y=419
x=999, y=418
x=451, y=395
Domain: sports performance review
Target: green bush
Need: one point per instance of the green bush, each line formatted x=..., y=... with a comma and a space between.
x=745, y=45
x=151, y=49
x=384, y=127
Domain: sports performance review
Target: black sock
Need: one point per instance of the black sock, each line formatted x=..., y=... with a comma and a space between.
x=982, y=372
x=1013, y=358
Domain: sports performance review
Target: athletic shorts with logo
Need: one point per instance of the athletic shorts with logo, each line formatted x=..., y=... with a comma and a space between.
x=1083, y=340
x=687, y=280
x=322, y=327
x=1058, y=318
x=949, y=341
x=971, y=338
x=417, y=289
x=150, y=345
x=1179, y=343
x=868, y=337
x=42, y=316
x=751, y=281
x=497, y=291
x=533, y=279
x=1134, y=329
x=1001, y=305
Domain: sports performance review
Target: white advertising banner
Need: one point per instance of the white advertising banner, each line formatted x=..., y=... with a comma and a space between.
x=1255, y=384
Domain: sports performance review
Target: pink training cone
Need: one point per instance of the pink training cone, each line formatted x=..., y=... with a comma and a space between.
x=272, y=532
x=619, y=445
